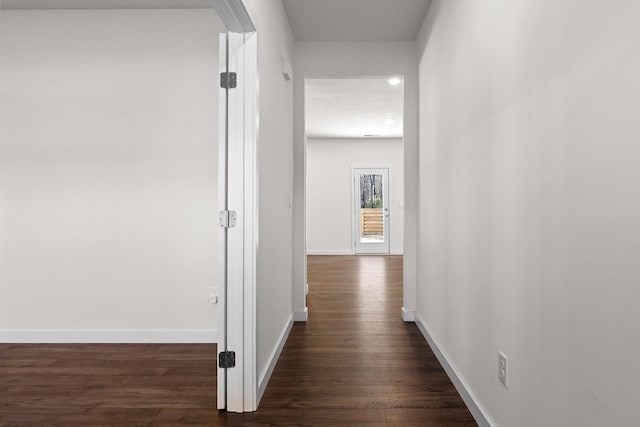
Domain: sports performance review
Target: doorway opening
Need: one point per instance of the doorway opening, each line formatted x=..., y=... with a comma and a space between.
x=152, y=145
x=354, y=194
x=354, y=166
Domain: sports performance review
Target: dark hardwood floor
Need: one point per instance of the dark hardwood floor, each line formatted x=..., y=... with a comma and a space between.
x=354, y=362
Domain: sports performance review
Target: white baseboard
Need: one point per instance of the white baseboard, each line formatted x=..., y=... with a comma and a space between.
x=408, y=315
x=301, y=315
x=470, y=399
x=329, y=252
x=273, y=359
x=109, y=337
x=346, y=252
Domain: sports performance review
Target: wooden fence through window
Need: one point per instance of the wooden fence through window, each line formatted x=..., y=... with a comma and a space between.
x=371, y=222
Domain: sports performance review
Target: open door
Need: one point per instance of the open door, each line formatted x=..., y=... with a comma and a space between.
x=237, y=379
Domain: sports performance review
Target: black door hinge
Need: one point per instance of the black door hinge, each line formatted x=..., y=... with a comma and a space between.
x=228, y=80
x=227, y=359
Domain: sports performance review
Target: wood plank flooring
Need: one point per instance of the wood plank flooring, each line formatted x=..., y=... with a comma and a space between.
x=353, y=363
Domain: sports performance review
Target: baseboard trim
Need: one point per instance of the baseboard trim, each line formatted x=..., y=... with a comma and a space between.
x=273, y=359
x=408, y=315
x=470, y=399
x=109, y=337
x=301, y=315
x=329, y=252
x=397, y=252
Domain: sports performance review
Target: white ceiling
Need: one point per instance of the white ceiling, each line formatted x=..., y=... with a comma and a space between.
x=311, y=20
x=105, y=4
x=353, y=108
x=356, y=20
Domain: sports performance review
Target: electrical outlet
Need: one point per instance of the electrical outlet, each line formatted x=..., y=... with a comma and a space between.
x=502, y=368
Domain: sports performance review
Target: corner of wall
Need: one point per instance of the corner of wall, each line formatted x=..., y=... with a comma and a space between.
x=469, y=398
x=265, y=375
x=408, y=315
x=301, y=315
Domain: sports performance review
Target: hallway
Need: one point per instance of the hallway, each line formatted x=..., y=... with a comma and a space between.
x=355, y=361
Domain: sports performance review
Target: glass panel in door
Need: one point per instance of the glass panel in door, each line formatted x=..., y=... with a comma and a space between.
x=371, y=208
x=371, y=190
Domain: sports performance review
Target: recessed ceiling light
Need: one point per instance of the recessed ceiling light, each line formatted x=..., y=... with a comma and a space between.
x=389, y=120
x=394, y=81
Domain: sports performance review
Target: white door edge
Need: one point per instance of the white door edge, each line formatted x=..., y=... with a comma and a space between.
x=238, y=386
x=222, y=235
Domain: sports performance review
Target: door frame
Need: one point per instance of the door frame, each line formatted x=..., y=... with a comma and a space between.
x=387, y=201
x=323, y=69
x=238, y=386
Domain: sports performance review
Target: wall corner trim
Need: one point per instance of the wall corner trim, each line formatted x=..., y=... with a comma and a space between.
x=273, y=358
x=301, y=315
x=109, y=336
x=408, y=315
x=470, y=399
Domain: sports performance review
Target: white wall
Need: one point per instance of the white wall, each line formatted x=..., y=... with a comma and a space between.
x=356, y=59
x=529, y=205
x=108, y=175
x=275, y=165
x=330, y=191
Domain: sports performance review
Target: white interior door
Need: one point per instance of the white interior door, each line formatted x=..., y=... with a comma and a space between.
x=371, y=210
x=222, y=231
x=237, y=378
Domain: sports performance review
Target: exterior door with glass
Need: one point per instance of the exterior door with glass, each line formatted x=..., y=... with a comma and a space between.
x=371, y=210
